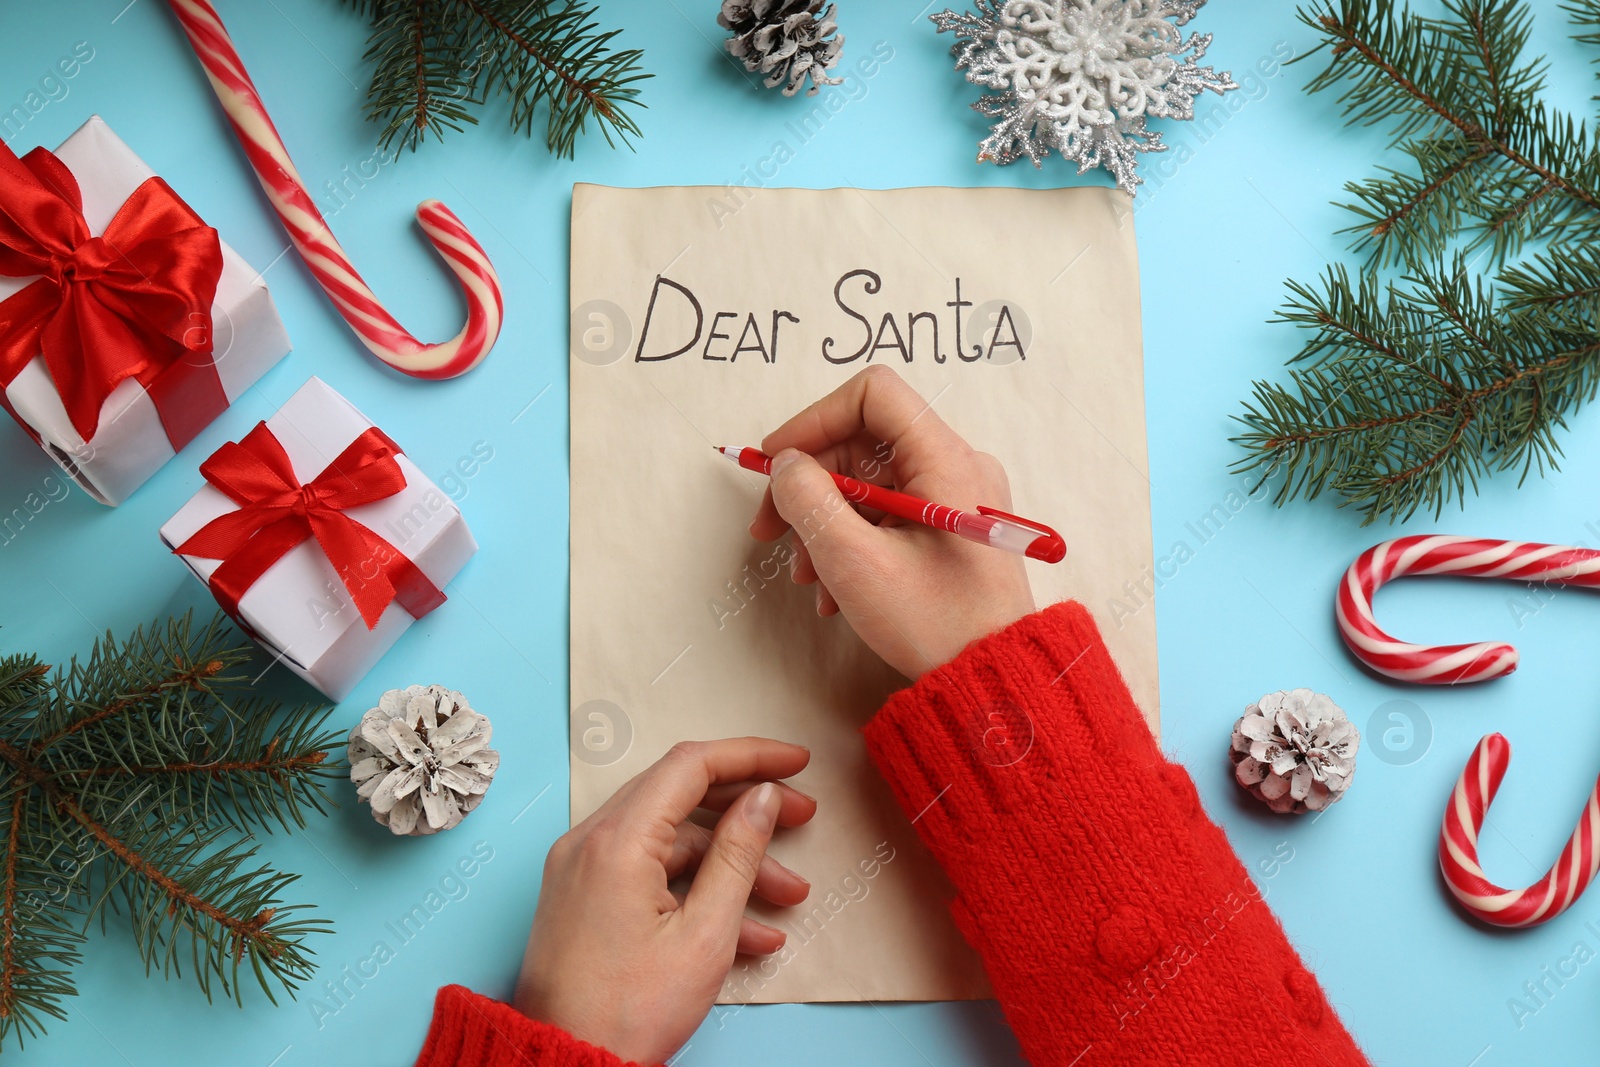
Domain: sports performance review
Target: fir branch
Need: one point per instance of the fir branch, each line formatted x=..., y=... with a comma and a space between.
x=38, y=945
x=1413, y=390
x=23, y=679
x=435, y=59
x=1585, y=14
x=421, y=85
x=271, y=763
x=186, y=889
x=555, y=59
x=1564, y=284
x=178, y=675
x=136, y=769
x=1414, y=396
x=1462, y=104
x=8, y=902
x=246, y=767
x=1416, y=202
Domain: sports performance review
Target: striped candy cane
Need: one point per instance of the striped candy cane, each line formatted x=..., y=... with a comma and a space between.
x=1471, y=557
x=1458, y=664
x=1458, y=848
x=309, y=232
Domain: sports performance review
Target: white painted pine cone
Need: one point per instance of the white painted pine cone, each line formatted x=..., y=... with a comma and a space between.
x=787, y=40
x=422, y=759
x=1295, y=751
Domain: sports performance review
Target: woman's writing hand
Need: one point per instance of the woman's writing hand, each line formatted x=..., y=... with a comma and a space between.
x=917, y=596
x=620, y=959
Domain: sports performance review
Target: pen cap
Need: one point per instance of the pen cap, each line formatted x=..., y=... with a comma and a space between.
x=1032, y=539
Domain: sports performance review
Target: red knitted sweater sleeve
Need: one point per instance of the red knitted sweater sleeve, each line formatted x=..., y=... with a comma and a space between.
x=1113, y=918
x=470, y=1030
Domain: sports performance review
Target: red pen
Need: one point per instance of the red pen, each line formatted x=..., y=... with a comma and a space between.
x=991, y=527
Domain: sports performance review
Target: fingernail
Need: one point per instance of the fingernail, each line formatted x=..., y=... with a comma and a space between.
x=791, y=872
x=783, y=459
x=762, y=811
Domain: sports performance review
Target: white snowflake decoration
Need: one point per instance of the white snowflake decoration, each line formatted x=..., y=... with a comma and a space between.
x=1081, y=76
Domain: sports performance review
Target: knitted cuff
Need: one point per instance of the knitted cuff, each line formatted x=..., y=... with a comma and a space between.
x=1046, y=679
x=473, y=1031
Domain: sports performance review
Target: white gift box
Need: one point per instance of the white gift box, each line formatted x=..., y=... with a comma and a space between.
x=299, y=609
x=130, y=443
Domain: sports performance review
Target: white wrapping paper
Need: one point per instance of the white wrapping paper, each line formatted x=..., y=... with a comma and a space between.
x=130, y=444
x=299, y=607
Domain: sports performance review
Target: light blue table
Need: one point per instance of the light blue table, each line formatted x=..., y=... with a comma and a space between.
x=1236, y=208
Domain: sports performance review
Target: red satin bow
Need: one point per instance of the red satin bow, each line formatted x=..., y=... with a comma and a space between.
x=134, y=302
x=276, y=513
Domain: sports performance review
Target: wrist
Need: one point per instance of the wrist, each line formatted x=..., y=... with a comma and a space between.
x=537, y=1000
x=985, y=624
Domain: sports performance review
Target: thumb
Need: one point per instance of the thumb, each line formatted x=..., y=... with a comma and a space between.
x=727, y=874
x=810, y=502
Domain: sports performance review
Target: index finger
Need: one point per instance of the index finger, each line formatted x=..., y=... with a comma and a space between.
x=880, y=402
x=675, y=784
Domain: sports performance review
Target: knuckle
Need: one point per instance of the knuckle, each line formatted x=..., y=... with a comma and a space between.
x=784, y=478
x=689, y=847
x=602, y=842
x=992, y=470
x=742, y=854
x=602, y=828
x=688, y=751
x=562, y=851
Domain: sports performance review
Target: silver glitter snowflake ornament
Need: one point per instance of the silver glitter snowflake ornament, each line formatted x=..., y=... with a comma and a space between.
x=1081, y=76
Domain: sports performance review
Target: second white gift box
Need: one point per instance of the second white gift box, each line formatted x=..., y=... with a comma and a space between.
x=321, y=538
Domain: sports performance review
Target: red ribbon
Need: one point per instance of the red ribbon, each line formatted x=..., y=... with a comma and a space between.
x=134, y=302
x=276, y=513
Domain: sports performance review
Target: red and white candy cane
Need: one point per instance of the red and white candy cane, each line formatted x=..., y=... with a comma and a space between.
x=1462, y=557
x=1458, y=664
x=1458, y=848
x=309, y=232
